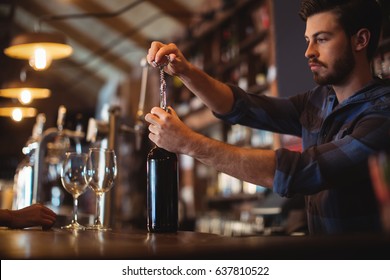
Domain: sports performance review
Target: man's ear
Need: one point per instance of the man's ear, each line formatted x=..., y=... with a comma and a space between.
x=361, y=39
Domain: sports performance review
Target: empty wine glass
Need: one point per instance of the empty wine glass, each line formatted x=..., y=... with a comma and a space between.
x=74, y=180
x=102, y=171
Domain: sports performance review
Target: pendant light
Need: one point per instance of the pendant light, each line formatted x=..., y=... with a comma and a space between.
x=39, y=48
x=24, y=91
x=18, y=113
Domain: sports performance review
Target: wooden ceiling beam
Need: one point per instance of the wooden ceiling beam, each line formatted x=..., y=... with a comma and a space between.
x=116, y=23
x=174, y=9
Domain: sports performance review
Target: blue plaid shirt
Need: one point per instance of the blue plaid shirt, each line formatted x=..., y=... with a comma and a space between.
x=337, y=139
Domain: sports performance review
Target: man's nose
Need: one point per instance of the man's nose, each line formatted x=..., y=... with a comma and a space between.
x=311, y=51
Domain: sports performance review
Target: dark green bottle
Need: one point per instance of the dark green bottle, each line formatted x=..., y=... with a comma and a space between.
x=162, y=191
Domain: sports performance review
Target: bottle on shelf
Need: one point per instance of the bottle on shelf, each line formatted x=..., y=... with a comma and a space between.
x=24, y=175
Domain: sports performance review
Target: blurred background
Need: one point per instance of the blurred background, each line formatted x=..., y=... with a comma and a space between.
x=238, y=41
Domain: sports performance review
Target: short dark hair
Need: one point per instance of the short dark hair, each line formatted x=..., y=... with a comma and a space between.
x=353, y=15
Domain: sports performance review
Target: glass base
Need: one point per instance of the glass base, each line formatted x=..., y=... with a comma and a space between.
x=97, y=227
x=74, y=226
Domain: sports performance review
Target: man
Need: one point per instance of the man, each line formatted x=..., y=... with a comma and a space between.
x=342, y=121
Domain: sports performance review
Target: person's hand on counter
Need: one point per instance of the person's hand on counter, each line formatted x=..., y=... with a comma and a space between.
x=30, y=216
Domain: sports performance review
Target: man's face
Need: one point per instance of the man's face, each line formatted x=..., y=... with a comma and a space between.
x=329, y=50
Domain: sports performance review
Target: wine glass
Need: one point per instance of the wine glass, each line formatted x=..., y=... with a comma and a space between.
x=75, y=181
x=102, y=171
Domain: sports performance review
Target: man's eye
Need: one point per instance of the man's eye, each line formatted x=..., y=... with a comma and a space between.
x=321, y=40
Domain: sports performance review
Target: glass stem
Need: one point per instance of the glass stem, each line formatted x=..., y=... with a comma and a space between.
x=97, y=220
x=75, y=207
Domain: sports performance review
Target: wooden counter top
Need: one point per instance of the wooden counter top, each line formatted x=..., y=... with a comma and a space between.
x=62, y=244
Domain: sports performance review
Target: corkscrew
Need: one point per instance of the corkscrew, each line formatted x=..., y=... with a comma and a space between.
x=163, y=84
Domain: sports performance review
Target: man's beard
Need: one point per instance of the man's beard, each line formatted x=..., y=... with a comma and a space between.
x=342, y=69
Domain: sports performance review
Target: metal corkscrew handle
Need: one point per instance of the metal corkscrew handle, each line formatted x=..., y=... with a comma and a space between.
x=163, y=89
x=163, y=84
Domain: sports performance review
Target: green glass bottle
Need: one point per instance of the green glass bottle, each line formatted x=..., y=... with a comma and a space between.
x=162, y=191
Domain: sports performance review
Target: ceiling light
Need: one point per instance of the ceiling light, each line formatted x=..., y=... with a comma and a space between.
x=18, y=113
x=24, y=92
x=39, y=48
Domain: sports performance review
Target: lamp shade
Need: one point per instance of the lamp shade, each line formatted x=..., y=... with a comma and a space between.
x=40, y=48
x=18, y=113
x=25, y=92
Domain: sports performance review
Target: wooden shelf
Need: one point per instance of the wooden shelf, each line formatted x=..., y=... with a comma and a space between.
x=233, y=48
x=208, y=28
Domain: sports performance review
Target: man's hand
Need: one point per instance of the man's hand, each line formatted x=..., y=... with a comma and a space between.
x=33, y=215
x=168, y=131
x=177, y=65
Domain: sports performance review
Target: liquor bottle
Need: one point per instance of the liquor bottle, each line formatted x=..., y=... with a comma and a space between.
x=162, y=191
x=24, y=175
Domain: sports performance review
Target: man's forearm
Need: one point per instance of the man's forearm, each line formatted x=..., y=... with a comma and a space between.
x=251, y=165
x=214, y=94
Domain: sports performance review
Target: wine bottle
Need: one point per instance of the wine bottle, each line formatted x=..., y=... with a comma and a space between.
x=162, y=191
x=162, y=180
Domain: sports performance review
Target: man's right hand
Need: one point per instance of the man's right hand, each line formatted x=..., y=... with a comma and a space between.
x=177, y=64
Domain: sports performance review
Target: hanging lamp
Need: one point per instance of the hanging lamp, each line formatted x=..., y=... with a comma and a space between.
x=24, y=90
x=39, y=48
x=18, y=113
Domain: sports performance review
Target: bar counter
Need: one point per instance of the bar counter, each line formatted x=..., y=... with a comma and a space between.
x=63, y=244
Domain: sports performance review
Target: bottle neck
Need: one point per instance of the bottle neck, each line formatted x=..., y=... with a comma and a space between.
x=160, y=152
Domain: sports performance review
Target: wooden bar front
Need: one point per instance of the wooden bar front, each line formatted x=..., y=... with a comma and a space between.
x=62, y=244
